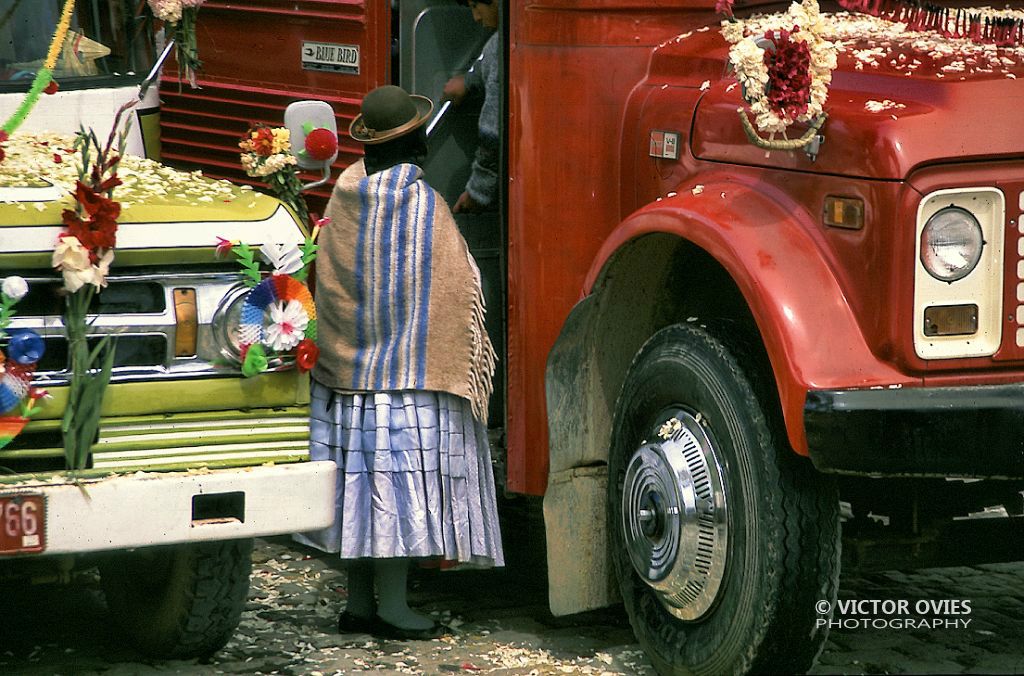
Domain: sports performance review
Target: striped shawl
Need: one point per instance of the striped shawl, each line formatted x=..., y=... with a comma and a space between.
x=398, y=298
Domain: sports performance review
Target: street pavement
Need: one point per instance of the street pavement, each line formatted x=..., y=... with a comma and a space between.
x=500, y=623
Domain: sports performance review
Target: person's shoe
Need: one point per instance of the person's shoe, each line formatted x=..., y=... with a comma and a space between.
x=356, y=624
x=385, y=629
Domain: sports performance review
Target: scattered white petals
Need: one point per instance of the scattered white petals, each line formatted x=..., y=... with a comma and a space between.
x=706, y=85
x=873, y=106
x=697, y=189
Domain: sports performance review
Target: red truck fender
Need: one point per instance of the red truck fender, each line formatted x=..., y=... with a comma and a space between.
x=767, y=244
x=766, y=248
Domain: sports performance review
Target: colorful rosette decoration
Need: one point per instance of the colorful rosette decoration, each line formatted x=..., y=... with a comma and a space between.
x=24, y=349
x=288, y=306
x=278, y=317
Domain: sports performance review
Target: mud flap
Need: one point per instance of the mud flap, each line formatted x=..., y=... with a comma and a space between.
x=580, y=576
x=579, y=569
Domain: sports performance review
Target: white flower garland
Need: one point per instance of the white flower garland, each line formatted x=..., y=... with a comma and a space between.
x=747, y=60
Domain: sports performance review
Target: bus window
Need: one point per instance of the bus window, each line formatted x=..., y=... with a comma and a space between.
x=105, y=45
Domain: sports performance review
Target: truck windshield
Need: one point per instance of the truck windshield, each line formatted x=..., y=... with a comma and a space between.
x=106, y=44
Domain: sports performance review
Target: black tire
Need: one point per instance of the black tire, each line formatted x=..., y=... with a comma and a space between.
x=782, y=552
x=179, y=602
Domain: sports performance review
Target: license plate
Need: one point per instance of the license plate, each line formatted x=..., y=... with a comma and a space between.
x=22, y=524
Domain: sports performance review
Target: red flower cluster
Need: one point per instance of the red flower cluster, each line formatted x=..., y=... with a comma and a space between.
x=262, y=141
x=789, y=74
x=100, y=231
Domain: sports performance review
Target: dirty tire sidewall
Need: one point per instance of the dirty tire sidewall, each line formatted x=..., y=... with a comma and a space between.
x=179, y=602
x=783, y=537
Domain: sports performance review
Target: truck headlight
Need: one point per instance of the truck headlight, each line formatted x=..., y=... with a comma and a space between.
x=951, y=244
x=225, y=322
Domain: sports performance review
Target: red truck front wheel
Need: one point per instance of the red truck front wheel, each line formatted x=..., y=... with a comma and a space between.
x=725, y=540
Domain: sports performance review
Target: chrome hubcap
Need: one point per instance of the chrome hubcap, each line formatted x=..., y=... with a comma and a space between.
x=674, y=515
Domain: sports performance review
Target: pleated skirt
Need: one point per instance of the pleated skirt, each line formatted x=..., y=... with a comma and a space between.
x=414, y=479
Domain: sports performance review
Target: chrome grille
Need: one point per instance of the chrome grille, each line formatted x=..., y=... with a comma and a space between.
x=138, y=311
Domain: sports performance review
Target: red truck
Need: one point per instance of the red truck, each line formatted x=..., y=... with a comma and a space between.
x=713, y=354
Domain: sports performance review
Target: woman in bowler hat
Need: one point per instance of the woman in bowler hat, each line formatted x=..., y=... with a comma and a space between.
x=399, y=394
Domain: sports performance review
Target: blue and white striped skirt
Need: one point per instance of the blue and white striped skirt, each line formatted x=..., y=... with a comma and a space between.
x=414, y=479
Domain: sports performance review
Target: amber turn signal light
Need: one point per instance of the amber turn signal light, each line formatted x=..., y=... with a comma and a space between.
x=844, y=212
x=186, y=322
x=951, y=320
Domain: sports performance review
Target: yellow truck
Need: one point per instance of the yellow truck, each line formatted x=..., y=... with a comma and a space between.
x=192, y=460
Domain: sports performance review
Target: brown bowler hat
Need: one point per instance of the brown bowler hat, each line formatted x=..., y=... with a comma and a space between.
x=387, y=113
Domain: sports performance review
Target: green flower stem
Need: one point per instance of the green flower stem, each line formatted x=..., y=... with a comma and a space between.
x=90, y=372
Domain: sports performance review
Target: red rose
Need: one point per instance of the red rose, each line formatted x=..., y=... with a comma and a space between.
x=306, y=354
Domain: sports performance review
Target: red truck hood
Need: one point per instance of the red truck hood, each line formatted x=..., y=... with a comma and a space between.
x=894, y=105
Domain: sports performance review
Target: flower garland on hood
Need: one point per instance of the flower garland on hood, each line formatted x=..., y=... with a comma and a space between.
x=784, y=63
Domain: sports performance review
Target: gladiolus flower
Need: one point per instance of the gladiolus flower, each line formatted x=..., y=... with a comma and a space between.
x=69, y=254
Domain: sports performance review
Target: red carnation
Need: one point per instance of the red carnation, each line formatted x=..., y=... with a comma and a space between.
x=306, y=354
x=321, y=144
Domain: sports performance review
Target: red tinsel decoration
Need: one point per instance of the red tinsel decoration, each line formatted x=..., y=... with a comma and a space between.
x=921, y=16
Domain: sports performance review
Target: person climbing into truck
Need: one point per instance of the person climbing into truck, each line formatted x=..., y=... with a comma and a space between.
x=481, y=193
x=400, y=392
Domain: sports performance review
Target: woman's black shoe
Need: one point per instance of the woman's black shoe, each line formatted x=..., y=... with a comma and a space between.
x=354, y=624
x=381, y=628
x=391, y=631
